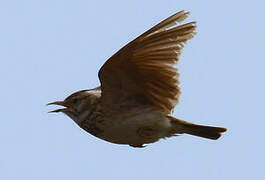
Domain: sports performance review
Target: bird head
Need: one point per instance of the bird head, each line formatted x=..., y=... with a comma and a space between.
x=78, y=105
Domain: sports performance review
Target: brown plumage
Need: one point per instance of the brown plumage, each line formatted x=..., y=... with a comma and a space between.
x=139, y=89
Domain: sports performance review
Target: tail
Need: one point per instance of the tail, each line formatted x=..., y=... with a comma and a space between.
x=180, y=126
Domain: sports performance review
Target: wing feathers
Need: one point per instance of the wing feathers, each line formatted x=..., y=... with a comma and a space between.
x=177, y=33
x=154, y=55
x=169, y=22
x=145, y=65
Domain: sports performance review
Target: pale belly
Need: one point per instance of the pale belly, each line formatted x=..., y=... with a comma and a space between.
x=144, y=127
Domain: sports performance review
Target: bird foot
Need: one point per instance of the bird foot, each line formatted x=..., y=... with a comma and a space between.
x=137, y=146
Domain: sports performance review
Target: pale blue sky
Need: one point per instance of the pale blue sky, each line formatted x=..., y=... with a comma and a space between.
x=51, y=48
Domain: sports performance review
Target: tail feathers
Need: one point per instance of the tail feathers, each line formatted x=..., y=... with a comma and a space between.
x=210, y=132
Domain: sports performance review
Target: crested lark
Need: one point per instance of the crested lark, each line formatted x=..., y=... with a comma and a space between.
x=139, y=89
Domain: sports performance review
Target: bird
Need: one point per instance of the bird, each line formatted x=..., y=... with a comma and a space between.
x=139, y=88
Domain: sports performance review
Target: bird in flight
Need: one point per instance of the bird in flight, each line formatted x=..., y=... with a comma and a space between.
x=139, y=89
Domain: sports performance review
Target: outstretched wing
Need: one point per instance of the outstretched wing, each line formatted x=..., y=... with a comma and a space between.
x=143, y=71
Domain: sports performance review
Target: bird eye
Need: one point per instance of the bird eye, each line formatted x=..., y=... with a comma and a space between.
x=75, y=101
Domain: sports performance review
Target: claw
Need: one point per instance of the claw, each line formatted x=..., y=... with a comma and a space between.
x=137, y=146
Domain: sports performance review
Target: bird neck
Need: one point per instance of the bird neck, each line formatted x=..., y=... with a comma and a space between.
x=87, y=110
x=91, y=121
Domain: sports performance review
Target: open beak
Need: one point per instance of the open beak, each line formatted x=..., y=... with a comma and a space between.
x=61, y=103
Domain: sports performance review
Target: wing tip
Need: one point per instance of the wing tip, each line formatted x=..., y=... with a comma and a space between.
x=181, y=15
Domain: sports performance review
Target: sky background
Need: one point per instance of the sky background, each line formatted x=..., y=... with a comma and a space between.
x=52, y=48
